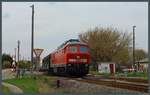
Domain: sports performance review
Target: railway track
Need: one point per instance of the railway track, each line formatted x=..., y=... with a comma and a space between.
x=117, y=84
x=129, y=84
x=139, y=80
x=131, y=79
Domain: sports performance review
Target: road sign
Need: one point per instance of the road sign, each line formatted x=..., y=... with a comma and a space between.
x=38, y=52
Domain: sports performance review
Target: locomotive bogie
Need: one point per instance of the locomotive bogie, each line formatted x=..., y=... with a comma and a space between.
x=77, y=69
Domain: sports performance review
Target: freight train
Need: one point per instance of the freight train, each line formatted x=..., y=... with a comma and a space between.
x=71, y=58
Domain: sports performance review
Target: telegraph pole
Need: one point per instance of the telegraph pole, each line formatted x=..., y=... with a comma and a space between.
x=32, y=36
x=15, y=54
x=15, y=60
x=134, y=47
x=18, y=50
x=17, y=66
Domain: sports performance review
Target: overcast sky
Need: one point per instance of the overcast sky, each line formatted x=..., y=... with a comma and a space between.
x=60, y=21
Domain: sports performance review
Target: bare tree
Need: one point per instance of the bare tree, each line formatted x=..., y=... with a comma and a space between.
x=107, y=44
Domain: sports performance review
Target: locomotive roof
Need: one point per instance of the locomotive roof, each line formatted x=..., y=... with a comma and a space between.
x=71, y=41
x=68, y=42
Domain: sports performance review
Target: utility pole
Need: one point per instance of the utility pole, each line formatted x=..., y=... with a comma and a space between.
x=18, y=50
x=32, y=36
x=15, y=54
x=134, y=47
x=15, y=64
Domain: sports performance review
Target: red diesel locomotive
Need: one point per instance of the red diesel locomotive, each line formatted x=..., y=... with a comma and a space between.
x=72, y=58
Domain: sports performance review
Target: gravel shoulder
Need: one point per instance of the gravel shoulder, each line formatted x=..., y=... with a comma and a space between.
x=83, y=87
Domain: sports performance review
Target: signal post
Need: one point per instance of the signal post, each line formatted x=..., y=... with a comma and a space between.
x=37, y=52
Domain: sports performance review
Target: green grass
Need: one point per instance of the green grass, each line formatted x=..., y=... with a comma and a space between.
x=42, y=84
x=26, y=84
x=5, y=90
x=137, y=74
x=38, y=84
x=94, y=73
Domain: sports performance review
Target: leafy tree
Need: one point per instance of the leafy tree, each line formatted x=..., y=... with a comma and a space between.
x=140, y=54
x=6, y=61
x=107, y=44
x=6, y=57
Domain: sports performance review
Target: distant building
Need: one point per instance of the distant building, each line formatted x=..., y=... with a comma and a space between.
x=106, y=67
x=143, y=65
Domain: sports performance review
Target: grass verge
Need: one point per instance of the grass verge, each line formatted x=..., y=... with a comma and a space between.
x=26, y=84
x=138, y=74
x=38, y=84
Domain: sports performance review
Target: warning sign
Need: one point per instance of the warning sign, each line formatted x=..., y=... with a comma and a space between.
x=38, y=52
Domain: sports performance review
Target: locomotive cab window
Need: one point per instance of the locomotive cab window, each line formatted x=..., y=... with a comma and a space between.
x=72, y=49
x=83, y=49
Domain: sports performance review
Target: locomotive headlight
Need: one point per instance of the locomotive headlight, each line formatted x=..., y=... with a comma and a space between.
x=72, y=60
x=69, y=64
x=83, y=60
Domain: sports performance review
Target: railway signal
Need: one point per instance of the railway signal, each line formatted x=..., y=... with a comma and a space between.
x=38, y=52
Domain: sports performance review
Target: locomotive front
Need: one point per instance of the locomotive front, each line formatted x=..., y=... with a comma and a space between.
x=77, y=58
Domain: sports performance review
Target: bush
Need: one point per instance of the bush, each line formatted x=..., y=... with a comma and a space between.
x=106, y=75
x=137, y=74
x=24, y=64
x=94, y=72
x=6, y=64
